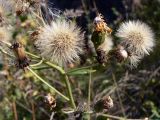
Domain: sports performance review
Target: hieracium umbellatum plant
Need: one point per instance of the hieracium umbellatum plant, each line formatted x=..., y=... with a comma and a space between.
x=38, y=40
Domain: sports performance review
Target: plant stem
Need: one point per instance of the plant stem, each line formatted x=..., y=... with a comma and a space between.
x=33, y=111
x=15, y=110
x=69, y=91
x=41, y=79
x=57, y=68
x=66, y=80
x=37, y=64
x=112, y=117
x=48, y=63
x=89, y=93
x=5, y=52
x=119, y=97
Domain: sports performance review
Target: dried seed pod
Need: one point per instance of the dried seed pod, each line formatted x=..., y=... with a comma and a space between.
x=107, y=102
x=103, y=104
x=22, y=60
x=101, y=56
x=34, y=35
x=51, y=101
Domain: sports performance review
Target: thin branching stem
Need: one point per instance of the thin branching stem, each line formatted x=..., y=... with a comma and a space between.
x=119, y=97
x=57, y=68
x=47, y=63
x=41, y=79
x=66, y=80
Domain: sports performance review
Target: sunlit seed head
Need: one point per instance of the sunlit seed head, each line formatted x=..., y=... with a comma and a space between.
x=137, y=37
x=61, y=42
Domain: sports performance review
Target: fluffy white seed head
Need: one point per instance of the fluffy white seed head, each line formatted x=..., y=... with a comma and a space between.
x=136, y=37
x=5, y=34
x=6, y=7
x=61, y=42
x=107, y=44
x=134, y=60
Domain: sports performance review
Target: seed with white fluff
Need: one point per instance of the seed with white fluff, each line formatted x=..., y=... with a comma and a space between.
x=61, y=42
x=137, y=38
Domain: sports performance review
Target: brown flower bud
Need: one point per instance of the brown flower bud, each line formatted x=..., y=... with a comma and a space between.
x=35, y=34
x=22, y=60
x=100, y=25
x=101, y=56
x=51, y=101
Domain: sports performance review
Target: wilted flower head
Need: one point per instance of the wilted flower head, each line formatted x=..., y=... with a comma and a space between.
x=61, y=42
x=137, y=39
x=100, y=25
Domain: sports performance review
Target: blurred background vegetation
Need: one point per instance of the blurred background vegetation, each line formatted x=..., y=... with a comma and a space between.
x=135, y=92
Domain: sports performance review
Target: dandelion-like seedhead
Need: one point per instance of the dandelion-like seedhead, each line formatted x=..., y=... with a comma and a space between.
x=137, y=39
x=5, y=34
x=61, y=42
x=6, y=7
x=107, y=44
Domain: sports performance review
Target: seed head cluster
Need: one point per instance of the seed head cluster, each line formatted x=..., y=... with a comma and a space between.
x=61, y=42
x=137, y=38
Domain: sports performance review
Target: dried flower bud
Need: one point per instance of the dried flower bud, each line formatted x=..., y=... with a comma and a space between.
x=22, y=60
x=101, y=56
x=103, y=104
x=108, y=103
x=100, y=25
x=34, y=34
x=50, y=100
